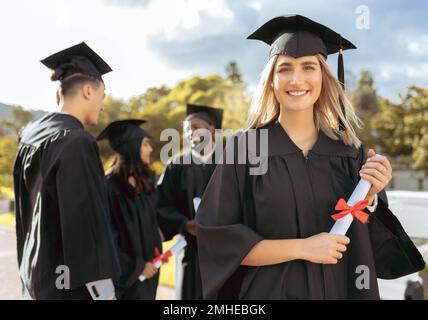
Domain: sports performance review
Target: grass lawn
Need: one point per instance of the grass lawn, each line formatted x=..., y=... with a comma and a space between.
x=167, y=272
x=7, y=219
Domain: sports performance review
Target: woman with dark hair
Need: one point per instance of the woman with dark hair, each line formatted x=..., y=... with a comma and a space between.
x=132, y=199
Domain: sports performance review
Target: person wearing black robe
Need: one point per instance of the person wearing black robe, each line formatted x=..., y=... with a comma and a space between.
x=132, y=200
x=262, y=224
x=184, y=180
x=64, y=240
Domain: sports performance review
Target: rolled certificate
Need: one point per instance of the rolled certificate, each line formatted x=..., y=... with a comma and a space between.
x=342, y=225
x=172, y=251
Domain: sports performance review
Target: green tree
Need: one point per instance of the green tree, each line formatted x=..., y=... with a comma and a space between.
x=365, y=101
x=20, y=117
x=213, y=90
x=415, y=104
x=8, y=147
x=402, y=130
x=114, y=109
x=165, y=107
x=233, y=73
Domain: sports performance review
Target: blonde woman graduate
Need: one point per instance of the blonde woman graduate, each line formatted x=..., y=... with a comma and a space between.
x=263, y=229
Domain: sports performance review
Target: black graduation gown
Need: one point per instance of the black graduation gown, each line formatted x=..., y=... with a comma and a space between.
x=61, y=209
x=177, y=187
x=295, y=198
x=137, y=235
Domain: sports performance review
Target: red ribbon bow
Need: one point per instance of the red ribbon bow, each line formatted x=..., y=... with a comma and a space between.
x=164, y=258
x=355, y=210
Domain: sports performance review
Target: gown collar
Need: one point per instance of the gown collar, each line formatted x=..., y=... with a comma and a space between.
x=38, y=131
x=203, y=158
x=280, y=143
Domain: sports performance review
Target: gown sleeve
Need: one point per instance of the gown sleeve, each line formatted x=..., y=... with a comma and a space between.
x=171, y=220
x=394, y=252
x=223, y=223
x=87, y=240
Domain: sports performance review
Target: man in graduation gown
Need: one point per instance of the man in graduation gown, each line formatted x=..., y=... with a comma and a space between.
x=181, y=185
x=64, y=241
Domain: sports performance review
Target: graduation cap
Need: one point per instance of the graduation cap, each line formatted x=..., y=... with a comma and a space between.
x=77, y=59
x=211, y=115
x=298, y=36
x=120, y=132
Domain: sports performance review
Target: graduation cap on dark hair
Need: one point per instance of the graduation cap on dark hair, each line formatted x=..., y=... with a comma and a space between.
x=211, y=115
x=120, y=132
x=298, y=36
x=77, y=59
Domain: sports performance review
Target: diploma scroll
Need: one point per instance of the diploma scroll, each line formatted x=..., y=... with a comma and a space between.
x=342, y=225
x=172, y=251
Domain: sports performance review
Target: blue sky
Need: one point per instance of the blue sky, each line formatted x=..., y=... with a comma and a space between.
x=154, y=42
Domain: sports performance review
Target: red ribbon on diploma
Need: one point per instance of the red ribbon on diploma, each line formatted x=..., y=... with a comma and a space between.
x=164, y=258
x=355, y=210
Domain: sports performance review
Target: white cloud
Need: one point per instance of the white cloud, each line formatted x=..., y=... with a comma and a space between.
x=405, y=70
x=195, y=36
x=177, y=16
x=29, y=31
x=385, y=74
x=256, y=5
x=419, y=47
x=419, y=71
x=415, y=43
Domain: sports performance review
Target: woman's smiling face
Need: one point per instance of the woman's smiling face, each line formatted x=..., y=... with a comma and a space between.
x=297, y=82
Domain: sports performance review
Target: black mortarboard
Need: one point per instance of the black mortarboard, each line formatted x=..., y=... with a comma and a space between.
x=298, y=36
x=211, y=115
x=120, y=132
x=77, y=59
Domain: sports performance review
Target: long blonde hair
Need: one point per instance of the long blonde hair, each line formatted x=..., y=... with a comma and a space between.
x=265, y=107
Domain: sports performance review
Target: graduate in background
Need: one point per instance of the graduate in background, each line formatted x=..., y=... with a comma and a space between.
x=132, y=200
x=268, y=229
x=185, y=178
x=64, y=240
